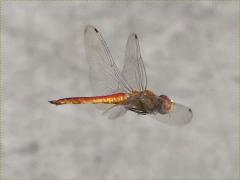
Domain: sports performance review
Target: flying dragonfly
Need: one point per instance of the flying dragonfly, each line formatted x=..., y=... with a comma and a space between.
x=124, y=90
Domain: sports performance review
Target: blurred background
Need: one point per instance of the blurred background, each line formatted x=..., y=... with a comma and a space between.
x=190, y=52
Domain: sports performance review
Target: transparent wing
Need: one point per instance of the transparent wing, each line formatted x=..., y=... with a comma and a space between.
x=115, y=111
x=134, y=70
x=179, y=116
x=105, y=76
x=103, y=107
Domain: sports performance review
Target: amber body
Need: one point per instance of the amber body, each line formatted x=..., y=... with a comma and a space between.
x=118, y=98
x=141, y=102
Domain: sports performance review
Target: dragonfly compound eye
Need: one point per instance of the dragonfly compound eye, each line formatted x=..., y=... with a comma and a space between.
x=165, y=104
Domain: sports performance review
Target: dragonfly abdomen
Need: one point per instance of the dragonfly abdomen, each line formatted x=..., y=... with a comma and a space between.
x=109, y=99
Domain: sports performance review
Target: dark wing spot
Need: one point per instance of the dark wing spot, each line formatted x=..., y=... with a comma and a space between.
x=190, y=110
x=136, y=36
x=96, y=30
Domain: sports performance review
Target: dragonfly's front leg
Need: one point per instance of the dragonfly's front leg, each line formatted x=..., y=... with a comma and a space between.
x=136, y=110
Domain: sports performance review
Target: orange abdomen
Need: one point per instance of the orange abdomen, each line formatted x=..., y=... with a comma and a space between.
x=118, y=98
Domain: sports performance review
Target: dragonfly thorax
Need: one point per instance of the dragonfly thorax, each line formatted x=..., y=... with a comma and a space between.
x=144, y=102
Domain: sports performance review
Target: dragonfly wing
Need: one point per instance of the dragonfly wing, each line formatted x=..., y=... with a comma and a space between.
x=179, y=116
x=134, y=70
x=105, y=76
x=115, y=111
x=103, y=107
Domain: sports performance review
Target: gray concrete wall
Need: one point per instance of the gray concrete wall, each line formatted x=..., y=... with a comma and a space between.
x=190, y=52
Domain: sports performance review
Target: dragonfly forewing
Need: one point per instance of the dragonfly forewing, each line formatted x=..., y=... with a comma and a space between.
x=105, y=76
x=134, y=70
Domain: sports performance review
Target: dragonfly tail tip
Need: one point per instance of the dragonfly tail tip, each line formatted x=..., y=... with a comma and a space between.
x=53, y=102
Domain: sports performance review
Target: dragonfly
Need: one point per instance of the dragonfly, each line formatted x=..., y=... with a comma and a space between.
x=126, y=90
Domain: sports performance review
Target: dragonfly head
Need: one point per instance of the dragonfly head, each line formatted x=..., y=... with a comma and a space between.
x=165, y=104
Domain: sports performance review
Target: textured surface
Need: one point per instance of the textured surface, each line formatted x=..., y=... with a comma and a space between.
x=190, y=53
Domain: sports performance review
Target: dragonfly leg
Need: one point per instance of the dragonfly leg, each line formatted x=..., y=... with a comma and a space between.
x=139, y=111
